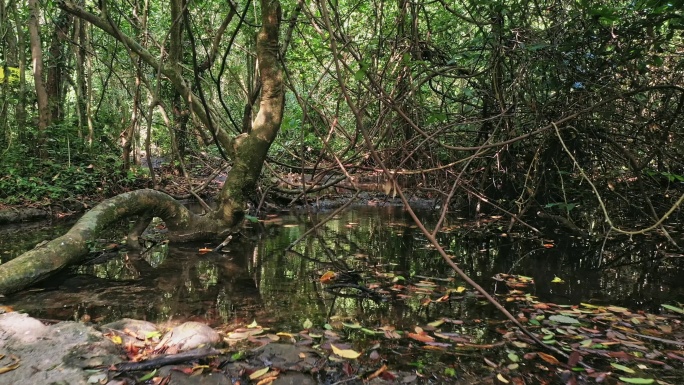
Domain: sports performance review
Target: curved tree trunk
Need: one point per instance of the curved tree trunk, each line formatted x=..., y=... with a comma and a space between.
x=248, y=152
x=72, y=247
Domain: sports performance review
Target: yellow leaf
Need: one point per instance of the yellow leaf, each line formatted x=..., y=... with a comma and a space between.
x=116, y=339
x=502, y=378
x=557, y=280
x=259, y=373
x=345, y=353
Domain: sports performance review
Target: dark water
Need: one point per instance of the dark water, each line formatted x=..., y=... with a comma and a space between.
x=257, y=279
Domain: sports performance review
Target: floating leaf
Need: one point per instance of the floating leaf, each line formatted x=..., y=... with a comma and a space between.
x=548, y=358
x=622, y=367
x=421, y=337
x=345, y=353
x=437, y=323
x=637, y=380
x=328, y=276
x=251, y=218
x=563, y=319
x=557, y=280
x=673, y=308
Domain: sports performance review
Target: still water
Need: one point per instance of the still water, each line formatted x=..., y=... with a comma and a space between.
x=258, y=278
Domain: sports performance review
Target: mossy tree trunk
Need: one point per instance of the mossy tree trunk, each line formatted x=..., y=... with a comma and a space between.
x=248, y=151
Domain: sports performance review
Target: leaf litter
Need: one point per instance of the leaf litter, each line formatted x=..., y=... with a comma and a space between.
x=604, y=343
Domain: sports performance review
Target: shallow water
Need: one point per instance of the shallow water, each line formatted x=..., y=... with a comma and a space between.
x=257, y=279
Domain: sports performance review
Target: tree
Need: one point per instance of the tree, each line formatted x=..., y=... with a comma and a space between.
x=248, y=152
x=44, y=118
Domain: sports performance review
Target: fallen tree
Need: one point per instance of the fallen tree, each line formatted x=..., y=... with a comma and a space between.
x=248, y=152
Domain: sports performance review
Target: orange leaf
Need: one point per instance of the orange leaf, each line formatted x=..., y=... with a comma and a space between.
x=421, y=337
x=328, y=276
x=548, y=358
x=204, y=250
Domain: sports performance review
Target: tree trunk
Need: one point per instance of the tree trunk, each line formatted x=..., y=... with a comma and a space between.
x=44, y=119
x=57, y=63
x=248, y=151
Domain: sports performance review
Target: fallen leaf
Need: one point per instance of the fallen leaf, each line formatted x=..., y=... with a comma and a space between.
x=630, y=380
x=548, y=358
x=345, y=353
x=421, y=337
x=258, y=373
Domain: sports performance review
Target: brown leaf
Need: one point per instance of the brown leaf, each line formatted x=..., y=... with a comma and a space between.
x=548, y=358
x=421, y=337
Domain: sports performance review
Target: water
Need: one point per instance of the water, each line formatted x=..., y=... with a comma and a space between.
x=258, y=279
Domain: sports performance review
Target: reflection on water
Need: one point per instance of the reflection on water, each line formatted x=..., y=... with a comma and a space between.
x=258, y=279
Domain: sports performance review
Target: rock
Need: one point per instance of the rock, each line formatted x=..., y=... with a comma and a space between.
x=288, y=357
x=20, y=328
x=188, y=336
x=52, y=354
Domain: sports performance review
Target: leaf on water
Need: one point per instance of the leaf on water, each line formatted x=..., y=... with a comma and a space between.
x=251, y=218
x=258, y=373
x=563, y=319
x=421, y=337
x=345, y=353
x=557, y=280
x=622, y=367
x=630, y=380
x=490, y=363
x=355, y=325
x=548, y=358
x=437, y=323
x=328, y=276
x=673, y=308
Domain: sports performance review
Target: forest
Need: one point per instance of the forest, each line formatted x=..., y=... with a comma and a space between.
x=554, y=117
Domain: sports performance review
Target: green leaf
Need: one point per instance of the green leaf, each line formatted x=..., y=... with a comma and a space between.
x=307, y=324
x=622, y=367
x=251, y=218
x=563, y=319
x=630, y=380
x=673, y=308
x=148, y=376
